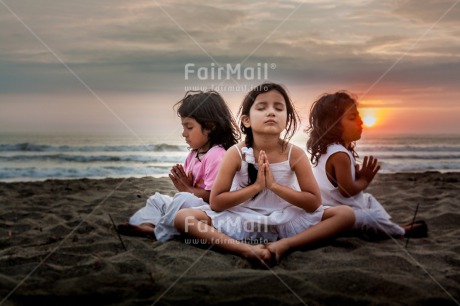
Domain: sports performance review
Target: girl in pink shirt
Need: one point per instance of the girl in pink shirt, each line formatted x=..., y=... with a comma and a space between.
x=209, y=129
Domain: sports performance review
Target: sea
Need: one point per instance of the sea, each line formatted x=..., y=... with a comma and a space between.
x=41, y=157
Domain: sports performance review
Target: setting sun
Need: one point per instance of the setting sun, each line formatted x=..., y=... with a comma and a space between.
x=370, y=116
x=369, y=120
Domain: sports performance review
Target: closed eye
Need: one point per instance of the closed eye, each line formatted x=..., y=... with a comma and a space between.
x=279, y=106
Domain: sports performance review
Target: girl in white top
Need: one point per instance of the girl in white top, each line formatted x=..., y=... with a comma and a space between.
x=265, y=189
x=335, y=125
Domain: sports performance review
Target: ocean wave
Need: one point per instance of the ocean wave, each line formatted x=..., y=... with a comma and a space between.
x=393, y=167
x=412, y=155
x=93, y=158
x=407, y=148
x=29, y=147
x=180, y=156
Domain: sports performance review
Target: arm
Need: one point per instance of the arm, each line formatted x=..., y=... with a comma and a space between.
x=201, y=193
x=339, y=167
x=221, y=196
x=309, y=196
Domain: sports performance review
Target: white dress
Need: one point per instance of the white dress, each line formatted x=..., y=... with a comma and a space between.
x=370, y=214
x=268, y=217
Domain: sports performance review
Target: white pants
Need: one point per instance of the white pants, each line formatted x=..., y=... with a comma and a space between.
x=160, y=210
x=373, y=217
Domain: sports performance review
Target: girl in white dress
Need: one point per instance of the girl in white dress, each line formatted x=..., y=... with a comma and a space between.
x=265, y=189
x=335, y=125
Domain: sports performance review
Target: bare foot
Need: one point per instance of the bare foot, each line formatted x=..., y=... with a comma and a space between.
x=142, y=230
x=278, y=249
x=258, y=253
x=418, y=229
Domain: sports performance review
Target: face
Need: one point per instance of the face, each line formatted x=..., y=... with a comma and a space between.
x=194, y=135
x=268, y=114
x=352, y=125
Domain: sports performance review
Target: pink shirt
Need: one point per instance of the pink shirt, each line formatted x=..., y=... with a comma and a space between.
x=205, y=171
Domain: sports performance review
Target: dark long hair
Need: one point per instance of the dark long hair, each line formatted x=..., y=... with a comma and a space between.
x=291, y=123
x=212, y=113
x=325, y=128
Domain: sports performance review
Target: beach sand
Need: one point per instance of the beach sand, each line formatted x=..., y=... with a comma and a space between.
x=58, y=246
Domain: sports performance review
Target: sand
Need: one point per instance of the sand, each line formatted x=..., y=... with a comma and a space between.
x=58, y=246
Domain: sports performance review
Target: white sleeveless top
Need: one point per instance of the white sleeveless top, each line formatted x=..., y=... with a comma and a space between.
x=330, y=194
x=267, y=208
x=267, y=202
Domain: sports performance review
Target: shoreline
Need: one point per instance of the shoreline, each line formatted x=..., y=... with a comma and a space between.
x=161, y=176
x=61, y=230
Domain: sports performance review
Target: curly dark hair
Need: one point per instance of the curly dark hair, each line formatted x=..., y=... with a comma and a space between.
x=325, y=128
x=291, y=122
x=212, y=113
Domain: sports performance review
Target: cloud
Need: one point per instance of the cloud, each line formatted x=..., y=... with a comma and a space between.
x=136, y=47
x=428, y=11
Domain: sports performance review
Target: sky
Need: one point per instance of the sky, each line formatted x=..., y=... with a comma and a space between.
x=118, y=67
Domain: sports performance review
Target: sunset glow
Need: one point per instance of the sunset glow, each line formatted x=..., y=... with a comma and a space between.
x=369, y=120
